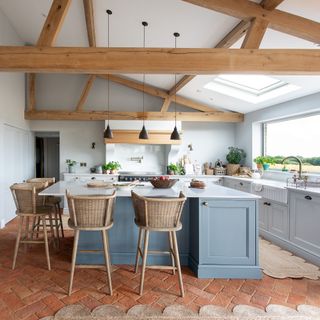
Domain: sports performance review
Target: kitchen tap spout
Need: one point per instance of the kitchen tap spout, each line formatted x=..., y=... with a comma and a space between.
x=299, y=162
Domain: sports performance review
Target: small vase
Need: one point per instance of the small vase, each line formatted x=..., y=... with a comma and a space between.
x=266, y=166
x=71, y=169
x=259, y=166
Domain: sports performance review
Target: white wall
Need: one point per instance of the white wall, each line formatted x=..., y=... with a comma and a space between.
x=76, y=138
x=210, y=140
x=16, y=140
x=248, y=133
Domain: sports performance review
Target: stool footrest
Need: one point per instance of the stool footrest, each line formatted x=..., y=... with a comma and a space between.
x=161, y=267
x=90, y=251
x=88, y=266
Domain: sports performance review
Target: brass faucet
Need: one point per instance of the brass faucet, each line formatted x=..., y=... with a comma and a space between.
x=299, y=162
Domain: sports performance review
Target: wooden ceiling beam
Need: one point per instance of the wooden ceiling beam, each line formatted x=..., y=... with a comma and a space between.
x=85, y=92
x=278, y=20
x=230, y=39
x=133, y=84
x=154, y=91
x=270, y=4
x=166, y=104
x=48, y=35
x=158, y=60
x=215, y=116
x=255, y=34
x=88, y=12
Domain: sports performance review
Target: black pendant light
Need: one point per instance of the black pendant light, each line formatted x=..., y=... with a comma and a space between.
x=107, y=132
x=175, y=134
x=143, y=133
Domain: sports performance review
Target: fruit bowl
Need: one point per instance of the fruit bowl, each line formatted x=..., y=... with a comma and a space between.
x=163, y=184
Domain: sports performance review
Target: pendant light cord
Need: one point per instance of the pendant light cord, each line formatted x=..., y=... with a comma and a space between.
x=144, y=76
x=109, y=12
x=176, y=35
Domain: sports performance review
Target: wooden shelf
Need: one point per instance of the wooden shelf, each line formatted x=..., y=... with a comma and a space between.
x=132, y=137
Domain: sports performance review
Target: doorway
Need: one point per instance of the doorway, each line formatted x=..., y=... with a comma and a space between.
x=47, y=145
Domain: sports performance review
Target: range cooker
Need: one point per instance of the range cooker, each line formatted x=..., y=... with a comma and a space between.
x=135, y=177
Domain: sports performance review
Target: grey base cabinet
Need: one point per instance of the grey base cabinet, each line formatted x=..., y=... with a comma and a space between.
x=224, y=238
x=274, y=218
x=305, y=221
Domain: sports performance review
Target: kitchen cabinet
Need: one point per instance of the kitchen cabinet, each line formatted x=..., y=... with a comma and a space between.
x=274, y=218
x=305, y=220
x=224, y=239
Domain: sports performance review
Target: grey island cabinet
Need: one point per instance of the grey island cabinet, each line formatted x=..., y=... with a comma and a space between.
x=218, y=239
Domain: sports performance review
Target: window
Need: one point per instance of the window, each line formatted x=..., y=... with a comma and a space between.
x=298, y=137
x=250, y=88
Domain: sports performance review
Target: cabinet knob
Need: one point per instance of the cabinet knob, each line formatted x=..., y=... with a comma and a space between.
x=241, y=183
x=205, y=204
x=308, y=198
x=267, y=203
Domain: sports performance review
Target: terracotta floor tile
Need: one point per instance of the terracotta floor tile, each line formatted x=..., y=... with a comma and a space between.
x=30, y=291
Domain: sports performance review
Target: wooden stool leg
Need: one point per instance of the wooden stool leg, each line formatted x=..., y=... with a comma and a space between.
x=176, y=254
x=34, y=221
x=60, y=218
x=52, y=231
x=74, y=256
x=38, y=226
x=138, y=250
x=46, y=244
x=56, y=221
x=107, y=257
x=17, y=242
x=144, y=260
x=27, y=234
x=171, y=252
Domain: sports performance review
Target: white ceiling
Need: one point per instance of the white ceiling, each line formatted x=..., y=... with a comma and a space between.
x=198, y=27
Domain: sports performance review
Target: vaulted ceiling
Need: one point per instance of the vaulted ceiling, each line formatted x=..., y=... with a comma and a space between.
x=199, y=26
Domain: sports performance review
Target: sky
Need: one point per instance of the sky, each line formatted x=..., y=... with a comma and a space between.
x=294, y=137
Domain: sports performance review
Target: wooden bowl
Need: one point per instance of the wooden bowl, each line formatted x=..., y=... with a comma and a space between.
x=163, y=184
x=197, y=184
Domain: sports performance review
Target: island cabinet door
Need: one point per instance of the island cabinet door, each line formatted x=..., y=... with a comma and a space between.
x=227, y=232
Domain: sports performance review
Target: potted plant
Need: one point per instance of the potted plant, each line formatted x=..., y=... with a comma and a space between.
x=71, y=165
x=172, y=168
x=259, y=161
x=111, y=167
x=264, y=162
x=234, y=157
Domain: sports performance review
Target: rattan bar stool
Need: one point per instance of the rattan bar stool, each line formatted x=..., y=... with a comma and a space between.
x=91, y=213
x=55, y=203
x=29, y=206
x=162, y=215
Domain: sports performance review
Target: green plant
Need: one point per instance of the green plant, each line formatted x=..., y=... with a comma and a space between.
x=71, y=163
x=177, y=168
x=112, y=165
x=235, y=155
x=264, y=160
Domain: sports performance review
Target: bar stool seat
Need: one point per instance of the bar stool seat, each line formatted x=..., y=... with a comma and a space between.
x=160, y=215
x=30, y=207
x=91, y=213
x=55, y=203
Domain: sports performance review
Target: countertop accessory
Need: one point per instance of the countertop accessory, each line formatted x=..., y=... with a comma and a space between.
x=143, y=133
x=175, y=134
x=99, y=184
x=163, y=184
x=108, y=133
x=197, y=184
x=220, y=171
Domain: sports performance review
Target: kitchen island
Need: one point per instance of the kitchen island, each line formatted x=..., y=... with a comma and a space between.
x=219, y=238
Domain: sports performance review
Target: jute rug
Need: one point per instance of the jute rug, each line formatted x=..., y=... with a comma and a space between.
x=208, y=312
x=278, y=263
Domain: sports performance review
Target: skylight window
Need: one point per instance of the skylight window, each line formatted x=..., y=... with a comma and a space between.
x=251, y=88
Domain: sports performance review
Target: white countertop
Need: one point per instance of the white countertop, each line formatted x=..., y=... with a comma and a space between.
x=211, y=191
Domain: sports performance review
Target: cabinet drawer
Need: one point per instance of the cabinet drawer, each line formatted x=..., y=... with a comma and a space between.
x=228, y=230
x=270, y=193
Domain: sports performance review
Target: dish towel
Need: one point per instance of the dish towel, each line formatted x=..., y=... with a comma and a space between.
x=257, y=187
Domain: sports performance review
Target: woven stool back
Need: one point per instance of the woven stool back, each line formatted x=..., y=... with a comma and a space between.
x=158, y=213
x=91, y=211
x=26, y=197
x=50, y=181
